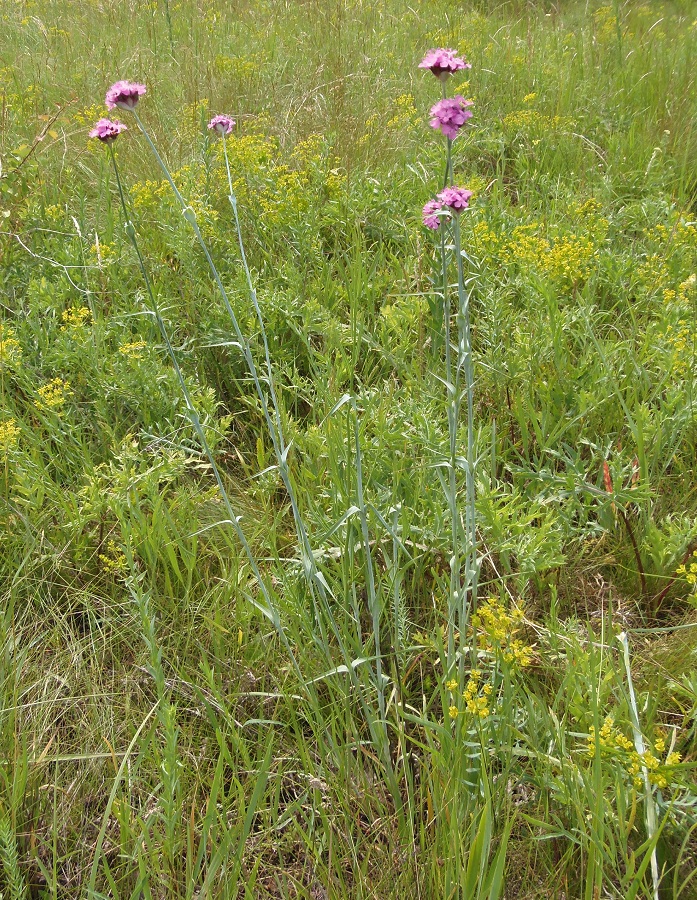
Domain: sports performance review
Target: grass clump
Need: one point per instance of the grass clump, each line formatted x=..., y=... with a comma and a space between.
x=310, y=588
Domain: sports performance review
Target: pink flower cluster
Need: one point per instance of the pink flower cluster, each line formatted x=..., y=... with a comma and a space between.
x=449, y=200
x=430, y=214
x=222, y=125
x=124, y=94
x=455, y=198
x=107, y=131
x=443, y=63
x=450, y=114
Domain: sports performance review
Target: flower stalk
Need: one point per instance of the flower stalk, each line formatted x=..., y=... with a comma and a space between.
x=126, y=95
x=449, y=116
x=268, y=608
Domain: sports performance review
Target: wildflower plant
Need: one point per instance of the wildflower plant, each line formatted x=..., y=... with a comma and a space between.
x=9, y=437
x=470, y=702
x=132, y=92
x=126, y=95
x=443, y=62
x=53, y=394
x=687, y=571
x=10, y=349
x=107, y=130
x=495, y=632
x=449, y=116
x=583, y=224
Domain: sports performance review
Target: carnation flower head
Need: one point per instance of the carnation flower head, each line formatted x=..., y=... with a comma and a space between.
x=124, y=94
x=431, y=219
x=107, y=131
x=455, y=198
x=222, y=125
x=443, y=63
x=450, y=114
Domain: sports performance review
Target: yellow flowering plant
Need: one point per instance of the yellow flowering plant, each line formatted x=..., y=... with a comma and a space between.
x=657, y=763
x=53, y=394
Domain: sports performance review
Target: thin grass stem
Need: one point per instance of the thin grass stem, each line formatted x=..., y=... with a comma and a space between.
x=269, y=610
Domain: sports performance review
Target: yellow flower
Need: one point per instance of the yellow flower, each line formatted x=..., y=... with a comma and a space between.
x=470, y=689
x=10, y=349
x=650, y=760
x=114, y=561
x=452, y=684
x=634, y=766
x=623, y=741
x=673, y=759
x=496, y=628
x=54, y=394
x=453, y=712
x=659, y=780
x=9, y=435
x=75, y=318
x=133, y=350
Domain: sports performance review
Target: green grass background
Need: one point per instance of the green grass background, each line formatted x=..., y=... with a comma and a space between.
x=156, y=740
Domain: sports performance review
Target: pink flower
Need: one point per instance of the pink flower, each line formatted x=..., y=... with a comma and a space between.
x=431, y=219
x=223, y=125
x=455, y=198
x=443, y=63
x=124, y=94
x=450, y=114
x=107, y=131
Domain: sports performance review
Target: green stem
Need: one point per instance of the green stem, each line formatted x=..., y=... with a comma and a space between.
x=313, y=576
x=452, y=415
x=465, y=364
x=640, y=748
x=253, y=295
x=233, y=518
x=372, y=593
x=274, y=427
x=168, y=16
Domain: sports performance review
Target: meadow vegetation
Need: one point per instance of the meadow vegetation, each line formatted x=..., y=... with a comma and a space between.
x=229, y=661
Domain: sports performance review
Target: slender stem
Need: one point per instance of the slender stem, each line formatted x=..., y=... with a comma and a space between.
x=274, y=427
x=168, y=16
x=465, y=363
x=234, y=519
x=639, y=745
x=313, y=576
x=637, y=555
x=448, y=176
x=452, y=414
x=372, y=593
x=691, y=371
x=456, y=592
x=253, y=297
x=446, y=305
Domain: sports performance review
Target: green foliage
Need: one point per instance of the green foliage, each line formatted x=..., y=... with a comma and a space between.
x=161, y=738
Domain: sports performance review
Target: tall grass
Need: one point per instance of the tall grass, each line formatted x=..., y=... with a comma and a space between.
x=226, y=555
